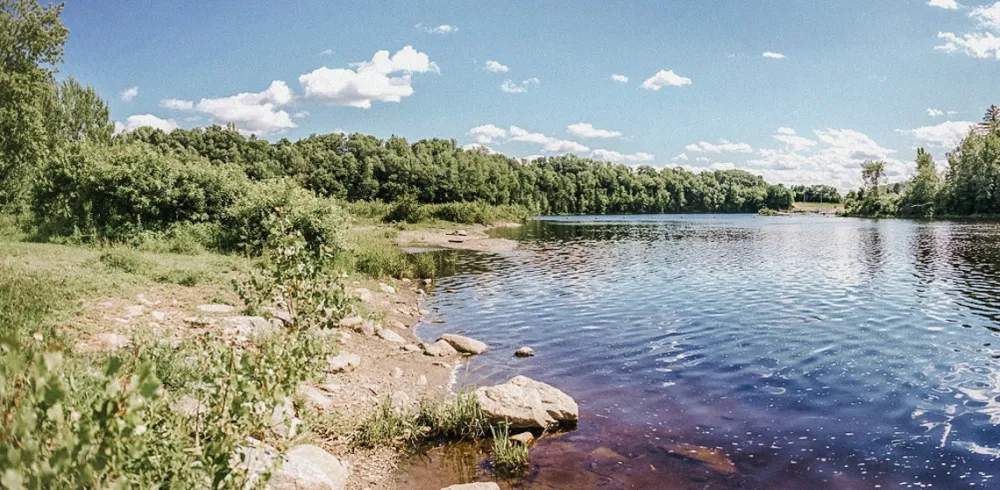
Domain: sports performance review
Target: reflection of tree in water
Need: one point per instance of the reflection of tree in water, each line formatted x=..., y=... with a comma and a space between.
x=872, y=249
x=927, y=252
x=975, y=258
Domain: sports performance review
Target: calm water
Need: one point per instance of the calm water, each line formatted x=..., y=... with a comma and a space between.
x=815, y=352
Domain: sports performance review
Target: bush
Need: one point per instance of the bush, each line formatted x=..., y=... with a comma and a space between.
x=476, y=212
x=246, y=225
x=406, y=209
x=118, y=192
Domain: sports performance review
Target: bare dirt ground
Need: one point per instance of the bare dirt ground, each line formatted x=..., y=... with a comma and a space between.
x=470, y=237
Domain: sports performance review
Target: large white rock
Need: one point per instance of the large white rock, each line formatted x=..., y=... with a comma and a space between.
x=304, y=467
x=464, y=344
x=439, y=349
x=527, y=404
x=473, y=486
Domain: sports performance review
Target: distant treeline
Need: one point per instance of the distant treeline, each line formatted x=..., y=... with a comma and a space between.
x=969, y=186
x=816, y=193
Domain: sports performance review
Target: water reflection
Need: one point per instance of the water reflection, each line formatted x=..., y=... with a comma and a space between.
x=814, y=352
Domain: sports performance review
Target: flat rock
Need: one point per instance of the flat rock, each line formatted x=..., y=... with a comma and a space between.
x=315, y=396
x=215, y=308
x=390, y=335
x=244, y=326
x=439, y=349
x=134, y=310
x=283, y=419
x=305, y=467
x=713, y=458
x=464, y=344
x=397, y=373
x=342, y=363
x=396, y=324
x=159, y=316
x=524, y=352
x=524, y=403
x=411, y=348
x=473, y=486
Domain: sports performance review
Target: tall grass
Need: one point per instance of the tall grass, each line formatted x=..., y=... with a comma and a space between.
x=509, y=458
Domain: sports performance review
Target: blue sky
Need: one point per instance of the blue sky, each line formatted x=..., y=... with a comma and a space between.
x=843, y=80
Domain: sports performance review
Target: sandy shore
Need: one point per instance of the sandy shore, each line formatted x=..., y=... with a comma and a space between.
x=470, y=237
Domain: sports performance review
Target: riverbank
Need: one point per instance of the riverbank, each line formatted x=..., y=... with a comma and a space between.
x=467, y=237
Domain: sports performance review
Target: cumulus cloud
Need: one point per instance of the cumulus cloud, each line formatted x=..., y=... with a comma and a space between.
x=479, y=148
x=988, y=17
x=619, y=78
x=944, y=4
x=137, y=121
x=549, y=144
x=946, y=135
x=587, y=130
x=177, y=104
x=792, y=141
x=681, y=157
x=773, y=55
x=724, y=146
x=934, y=112
x=441, y=29
x=978, y=44
x=487, y=133
x=384, y=79
x=250, y=112
x=511, y=87
x=664, y=78
x=128, y=94
x=614, y=156
x=496, y=67
x=301, y=115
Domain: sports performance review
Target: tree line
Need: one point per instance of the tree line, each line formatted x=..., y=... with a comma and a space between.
x=970, y=185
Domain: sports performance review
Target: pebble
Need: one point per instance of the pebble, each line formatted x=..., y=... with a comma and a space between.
x=524, y=352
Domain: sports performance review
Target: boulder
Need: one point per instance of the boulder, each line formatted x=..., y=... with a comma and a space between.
x=305, y=467
x=216, y=308
x=527, y=404
x=524, y=352
x=464, y=344
x=342, y=363
x=390, y=335
x=473, y=486
x=439, y=349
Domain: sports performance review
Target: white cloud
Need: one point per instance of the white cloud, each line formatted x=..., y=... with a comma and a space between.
x=945, y=4
x=773, y=55
x=139, y=120
x=614, y=156
x=252, y=112
x=988, y=17
x=792, y=141
x=934, y=112
x=372, y=81
x=681, y=157
x=548, y=143
x=480, y=148
x=301, y=114
x=619, y=78
x=177, y=104
x=496, y=67
x=946, y=135
x=487, y=133
x=724, y=146
x=128, y=94
x=665, y=78
x=441, y=29
x=978, y=44
x=514, y=88
x=326, y=52
x=587, y=130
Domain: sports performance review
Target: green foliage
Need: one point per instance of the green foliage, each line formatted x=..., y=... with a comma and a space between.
x=298, y=276
x=406, y=209
x=922, y=191
x=453, y=419
x=124, y=260
x=246, y=226
x=508, y=458
x=816, y=193
x=76, y=114
x=476, y=213
x=385, y=427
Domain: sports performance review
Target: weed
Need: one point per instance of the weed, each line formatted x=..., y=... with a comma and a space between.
x=124, y=260
x=509, y=458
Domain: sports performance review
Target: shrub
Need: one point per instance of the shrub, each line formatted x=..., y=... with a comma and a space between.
x=246, y=225
x=117, y=192
x=406, y=209
x=476, y=212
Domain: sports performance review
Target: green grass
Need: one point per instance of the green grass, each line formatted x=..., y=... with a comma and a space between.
x=508, y=458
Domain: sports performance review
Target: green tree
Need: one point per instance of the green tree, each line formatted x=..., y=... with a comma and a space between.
x=923, y=189
x=873, y=175
x=76, y=114
x=31, y=42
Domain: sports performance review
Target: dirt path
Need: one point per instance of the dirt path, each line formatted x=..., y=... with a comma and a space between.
x=471, y=237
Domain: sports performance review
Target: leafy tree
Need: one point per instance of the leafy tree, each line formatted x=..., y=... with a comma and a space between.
x=922, y=191
x=77, y=113
x=873, y=175
x=31, y=41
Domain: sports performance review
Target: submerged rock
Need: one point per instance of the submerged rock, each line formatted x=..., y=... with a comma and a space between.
x=524, y=403
x=464, y=344
x=524, y=352
x=439, y=349
x=713, y=458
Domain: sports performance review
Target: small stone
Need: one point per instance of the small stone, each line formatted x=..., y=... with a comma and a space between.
x=524, y=352
x=397, y=373
x=190, y=406
x=366, y=328
x=525, y=438
x=342, y=363
x=405, y=280
x=142, y=299
x=133, y=311
x=450, y=291
x=465, y=344
x=216, y=308
x=437, y=320
x=112, y=341
x=387, y=289
x=159, y=316
x=363, y=294
x=422, y=380
x=428, y=281
x=351, y=321
x=391, y=336
x=423, y=311
x=396, y=324
x=439, y=349
x=280, y=315
x=411, y=348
